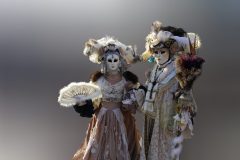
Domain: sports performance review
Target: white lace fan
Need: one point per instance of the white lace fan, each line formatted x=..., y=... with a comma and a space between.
x=78, y=92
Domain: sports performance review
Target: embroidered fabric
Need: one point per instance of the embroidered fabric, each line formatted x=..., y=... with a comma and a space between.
x=111, y=92
x=159, y=81
x=159, y=129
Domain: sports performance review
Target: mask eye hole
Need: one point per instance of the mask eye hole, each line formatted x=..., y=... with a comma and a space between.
x=109, y=60
x=115, y=60
x=156, y=52
x=162, y=52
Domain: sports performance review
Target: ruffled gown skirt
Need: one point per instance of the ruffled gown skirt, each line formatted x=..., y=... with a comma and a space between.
x=106, y=137
x=133, y=135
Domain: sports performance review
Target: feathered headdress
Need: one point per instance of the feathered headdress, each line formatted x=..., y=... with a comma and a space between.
x=188, y=64
x=160, y=38
x=96, y=49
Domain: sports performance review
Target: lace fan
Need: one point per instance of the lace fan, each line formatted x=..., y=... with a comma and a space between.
x=77, y=93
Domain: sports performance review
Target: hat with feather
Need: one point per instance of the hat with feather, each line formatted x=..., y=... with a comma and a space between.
x=97, y=49
x=164, y=37
x=184, y=47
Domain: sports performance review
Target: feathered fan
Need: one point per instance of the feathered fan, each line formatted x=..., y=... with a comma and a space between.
x=75, y=92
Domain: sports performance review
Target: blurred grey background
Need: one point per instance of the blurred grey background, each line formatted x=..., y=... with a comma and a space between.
x=41, y=43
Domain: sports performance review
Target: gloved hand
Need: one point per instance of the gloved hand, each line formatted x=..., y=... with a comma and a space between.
x=86, y=110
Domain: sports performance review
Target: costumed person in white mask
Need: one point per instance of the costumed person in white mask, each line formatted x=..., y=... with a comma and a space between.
x=108, y=136
x=169, y=106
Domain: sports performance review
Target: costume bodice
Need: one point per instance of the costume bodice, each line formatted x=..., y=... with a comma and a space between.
x=163, y=75
x=111, y=92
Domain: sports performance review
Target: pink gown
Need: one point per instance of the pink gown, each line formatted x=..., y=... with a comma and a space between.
x=111, y=135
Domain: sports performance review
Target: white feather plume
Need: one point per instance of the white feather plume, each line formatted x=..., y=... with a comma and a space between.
x=156, y=26
x=195, y=40
x=182, y=41
x=162, y=36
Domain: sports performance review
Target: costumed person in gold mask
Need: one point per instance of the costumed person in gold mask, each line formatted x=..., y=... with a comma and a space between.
x=108, y=136
x=169, y=106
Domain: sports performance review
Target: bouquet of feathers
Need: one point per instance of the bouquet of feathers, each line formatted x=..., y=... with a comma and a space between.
x=188, y=67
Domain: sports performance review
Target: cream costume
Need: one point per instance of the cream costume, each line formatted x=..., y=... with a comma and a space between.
x=111, y=134
x=108, y=137
x=168, y=116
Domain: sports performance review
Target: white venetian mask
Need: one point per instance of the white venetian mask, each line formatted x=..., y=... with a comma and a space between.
x=161, y=56
x=113, y=62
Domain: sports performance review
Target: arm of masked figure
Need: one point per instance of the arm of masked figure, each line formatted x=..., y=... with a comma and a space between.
x=133, y=100
x=86, y=108
x=186, y=112
x=140, y=94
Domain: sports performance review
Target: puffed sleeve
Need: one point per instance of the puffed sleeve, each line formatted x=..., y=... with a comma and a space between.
x=140, y=95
